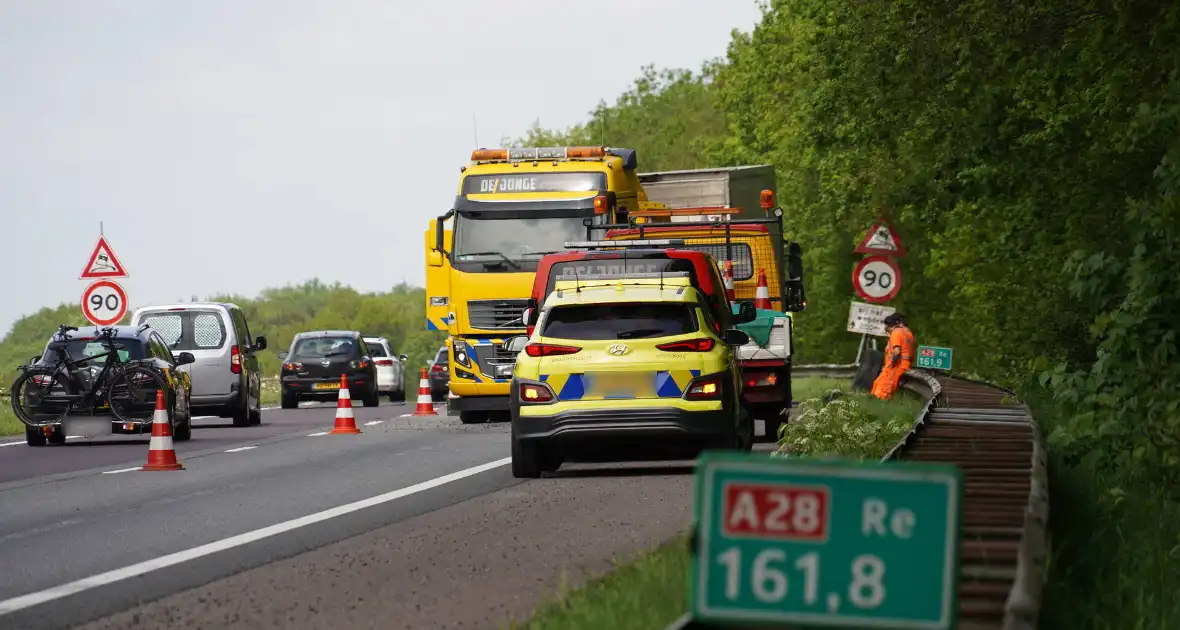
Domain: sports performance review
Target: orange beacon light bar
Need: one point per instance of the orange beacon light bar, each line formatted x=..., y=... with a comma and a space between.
x=537, y=153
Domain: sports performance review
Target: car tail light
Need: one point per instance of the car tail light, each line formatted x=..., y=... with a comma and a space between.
x=703, y=344
x=705, y=389
x=358, y=365
x=42, y=379
x=235, y=360
x=762, y=380
x=549, y=350
x=292, y=367
x=437, y=367
x=530, y=393
x=384, y=361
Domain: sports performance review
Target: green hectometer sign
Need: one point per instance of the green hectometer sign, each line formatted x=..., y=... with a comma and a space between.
x=814, y=543
x=934, y=358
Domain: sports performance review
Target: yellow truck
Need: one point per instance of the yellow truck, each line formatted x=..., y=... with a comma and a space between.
x=512, y=207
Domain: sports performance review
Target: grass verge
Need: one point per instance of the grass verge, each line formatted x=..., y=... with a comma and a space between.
x=646, y=593
x=9, y=425
x=1114, y=557
x=650, y=592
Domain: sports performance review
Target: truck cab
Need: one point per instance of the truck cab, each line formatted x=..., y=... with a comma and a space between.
x=512, y=207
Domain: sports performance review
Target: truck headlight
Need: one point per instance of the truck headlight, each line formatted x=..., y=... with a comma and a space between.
x=462, y=353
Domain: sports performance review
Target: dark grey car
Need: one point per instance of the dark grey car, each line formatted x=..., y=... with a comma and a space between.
x=440, y=375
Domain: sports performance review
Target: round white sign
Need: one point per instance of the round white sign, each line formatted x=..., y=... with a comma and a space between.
x=104, y=303
x=877, y=279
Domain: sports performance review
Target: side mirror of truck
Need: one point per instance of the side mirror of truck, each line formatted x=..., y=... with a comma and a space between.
x=516, y=344
x=746, y=312
x=735, y=337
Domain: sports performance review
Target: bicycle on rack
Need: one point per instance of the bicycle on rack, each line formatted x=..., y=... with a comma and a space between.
x=44, y=393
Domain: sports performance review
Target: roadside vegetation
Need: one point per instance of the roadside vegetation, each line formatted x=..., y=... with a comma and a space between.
x=1030, y=159
x=649, y=592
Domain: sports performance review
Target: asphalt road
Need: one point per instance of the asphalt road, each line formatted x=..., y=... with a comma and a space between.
x=415, y=523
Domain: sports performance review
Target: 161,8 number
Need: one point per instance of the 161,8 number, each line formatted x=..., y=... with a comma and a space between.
x=769, y=584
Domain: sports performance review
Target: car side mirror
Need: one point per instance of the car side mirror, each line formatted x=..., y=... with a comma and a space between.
x=260, y=343
x=735, y=337
x=185, y=358
x=516, y=344
x=746, y=312
x=282, y=356
x=403, y=358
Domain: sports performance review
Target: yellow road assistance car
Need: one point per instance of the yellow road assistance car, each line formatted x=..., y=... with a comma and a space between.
x=624, y=360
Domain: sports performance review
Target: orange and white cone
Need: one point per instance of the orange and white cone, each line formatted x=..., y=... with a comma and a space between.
x=345, y=421
x=161, y=455
x=762, y=293
x=425, y=402
x=727, y=276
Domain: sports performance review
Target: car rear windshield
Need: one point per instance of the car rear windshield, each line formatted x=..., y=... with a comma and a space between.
x=376, y=349
x=324, y=347
x=442, y=356
x=620, y=321
x=129, y=350
x=193, y=329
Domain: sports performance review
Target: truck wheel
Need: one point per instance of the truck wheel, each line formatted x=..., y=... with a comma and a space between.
x=473, y=417
x=772, y=427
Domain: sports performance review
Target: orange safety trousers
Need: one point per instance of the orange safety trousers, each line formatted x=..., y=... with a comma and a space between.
x=887, y=381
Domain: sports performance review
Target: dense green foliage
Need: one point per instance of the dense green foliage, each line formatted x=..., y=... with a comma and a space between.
x=278, y=314
x=1029, y=154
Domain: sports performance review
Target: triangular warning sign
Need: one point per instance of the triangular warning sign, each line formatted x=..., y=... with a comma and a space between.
x=103, y=263
x=882, y=239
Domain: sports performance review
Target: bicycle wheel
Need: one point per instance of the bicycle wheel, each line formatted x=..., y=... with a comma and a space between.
x=131, y=393
x=40, y=396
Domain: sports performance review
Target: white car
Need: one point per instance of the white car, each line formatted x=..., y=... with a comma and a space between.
x=391, y=379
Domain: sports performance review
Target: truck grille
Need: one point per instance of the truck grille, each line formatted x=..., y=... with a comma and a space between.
x=488, y=357
x=496, y=314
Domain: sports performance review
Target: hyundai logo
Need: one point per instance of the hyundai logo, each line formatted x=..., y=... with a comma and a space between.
x=618, y=349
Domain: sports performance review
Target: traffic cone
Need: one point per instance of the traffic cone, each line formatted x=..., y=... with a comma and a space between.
x=762, y=293
x=425, y=402
x=728, y=278
x=161, y=455
x=345, y=422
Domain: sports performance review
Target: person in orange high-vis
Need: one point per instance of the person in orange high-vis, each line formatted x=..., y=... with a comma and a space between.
x=899, y=356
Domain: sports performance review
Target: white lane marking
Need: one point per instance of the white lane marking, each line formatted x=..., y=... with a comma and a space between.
x=317, y=434
x=202, y=417
x=240, y=448
x=373, y=422
x=405, y=415
x=121, y=470
x=102, y=579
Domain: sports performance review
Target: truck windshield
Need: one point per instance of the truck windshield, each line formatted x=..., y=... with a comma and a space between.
x=479, y=239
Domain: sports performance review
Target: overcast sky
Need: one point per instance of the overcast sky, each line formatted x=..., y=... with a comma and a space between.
x=234, y=145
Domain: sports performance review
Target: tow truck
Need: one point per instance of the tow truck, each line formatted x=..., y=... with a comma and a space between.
x=752, y=246
x=512, y=207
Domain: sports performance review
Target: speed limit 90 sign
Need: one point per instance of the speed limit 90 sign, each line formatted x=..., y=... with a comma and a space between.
x=877, y=279
x=104, y=303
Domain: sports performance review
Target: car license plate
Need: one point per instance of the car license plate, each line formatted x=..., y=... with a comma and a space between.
x=332, y=385
x=613, y=384
x=504, y=371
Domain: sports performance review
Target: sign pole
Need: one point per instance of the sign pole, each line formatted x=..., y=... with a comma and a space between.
x=860, y=348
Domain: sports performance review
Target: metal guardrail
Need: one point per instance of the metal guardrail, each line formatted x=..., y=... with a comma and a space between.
x=1020, y=608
